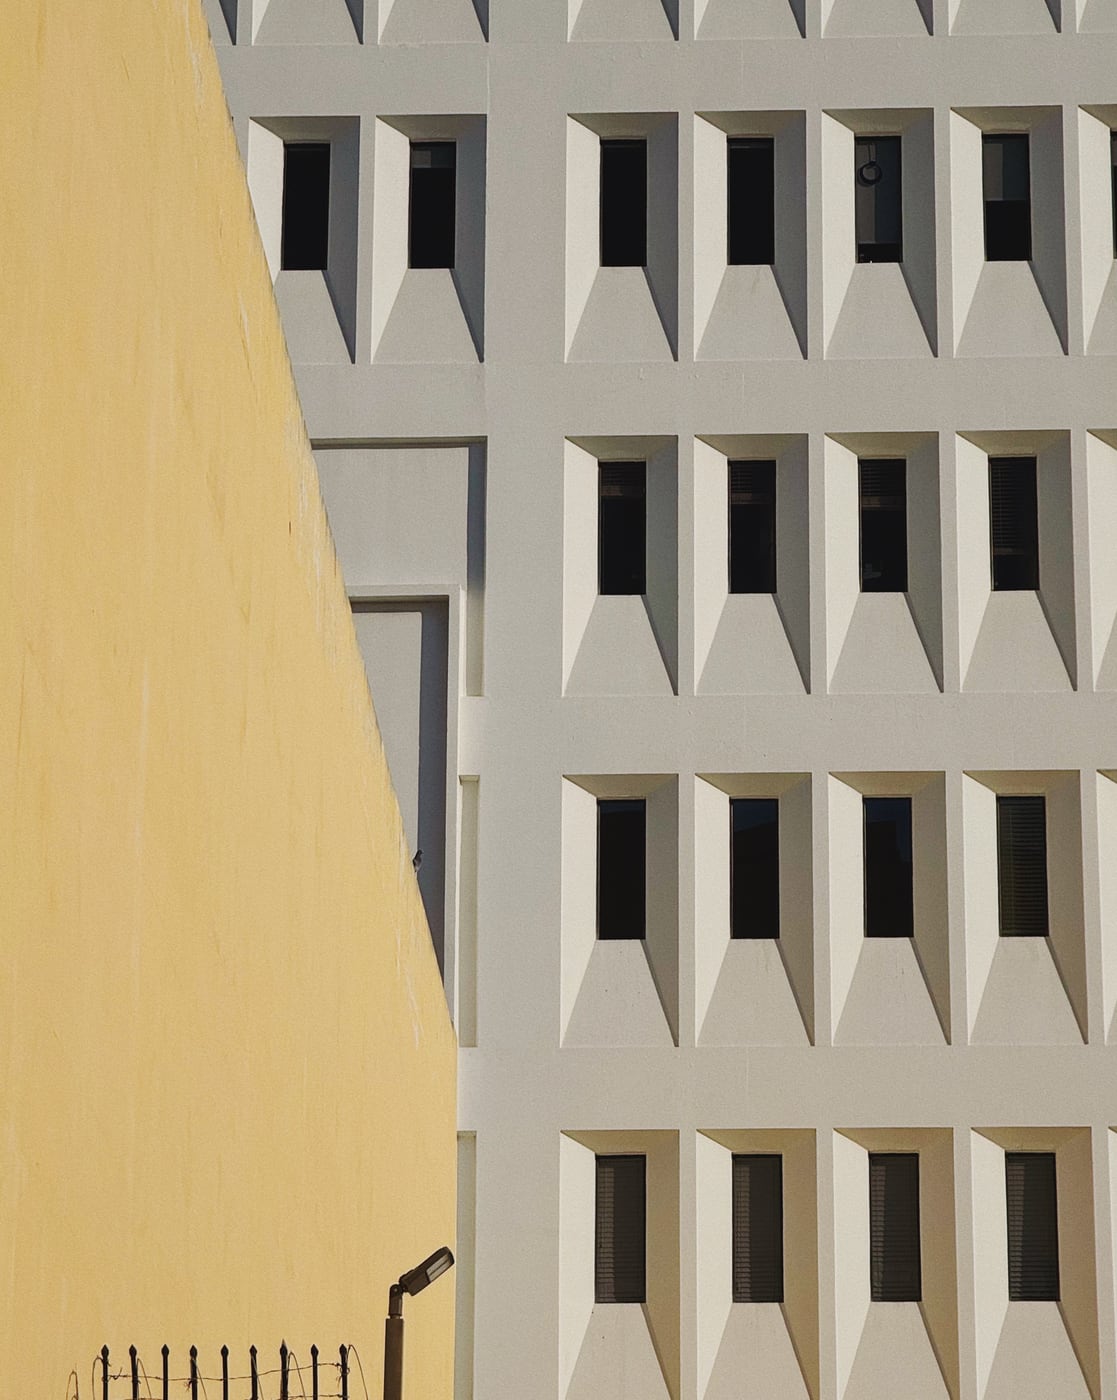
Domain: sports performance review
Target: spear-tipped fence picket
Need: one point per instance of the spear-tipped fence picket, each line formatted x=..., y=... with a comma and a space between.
x=288, y=1380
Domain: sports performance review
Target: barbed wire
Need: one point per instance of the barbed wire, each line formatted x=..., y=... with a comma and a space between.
x=294, y=1368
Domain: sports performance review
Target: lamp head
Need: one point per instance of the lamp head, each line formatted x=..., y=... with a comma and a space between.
x=415, y=1280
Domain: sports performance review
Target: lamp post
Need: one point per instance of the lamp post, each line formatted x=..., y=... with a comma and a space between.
x=412, y=1282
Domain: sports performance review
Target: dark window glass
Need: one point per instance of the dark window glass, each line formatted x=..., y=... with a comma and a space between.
x=1113, y=184
x=752, y=199
x=621, y=527
x=1033, y=1227
x=1008, y=198
x=895, y=1265
x=306, y=206
x=878, y=199
x=889, y=911
x=624, y=203
x=621, y=862
x=620, y=1230
x=758, y=1228
x=1013, y=522
x=1022, y=866
x=752, y=527
x=884, y=525
x=431, y=224
x=755, y=867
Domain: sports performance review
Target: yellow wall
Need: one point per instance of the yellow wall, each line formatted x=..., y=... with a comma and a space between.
x=221, y=1026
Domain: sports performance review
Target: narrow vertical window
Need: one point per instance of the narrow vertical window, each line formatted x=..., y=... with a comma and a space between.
x=624, y=203
x=620, y=1230
x=895, y=1261
x=878, y=199
x=752, y=527
x=889, y=910
x=1022, y=866
x=884, y=525
x=1113, y=185
x=1033, y=1227
x=433, y=210
x=754, y=873
x=1006, y=178
x=758, y=1228
x=1013, y=523
x=621, y=863
x=305, y=240
x=751, y=162
x=621, y=527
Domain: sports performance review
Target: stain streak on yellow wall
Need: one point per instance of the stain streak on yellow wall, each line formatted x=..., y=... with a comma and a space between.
x=226, y=1068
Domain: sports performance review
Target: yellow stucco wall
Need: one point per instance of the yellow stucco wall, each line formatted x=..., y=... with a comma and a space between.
x=226, y=1070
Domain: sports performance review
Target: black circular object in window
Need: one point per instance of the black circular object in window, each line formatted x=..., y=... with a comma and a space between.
x=870, y=173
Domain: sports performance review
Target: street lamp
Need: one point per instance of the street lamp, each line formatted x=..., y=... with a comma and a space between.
x=413, y=1282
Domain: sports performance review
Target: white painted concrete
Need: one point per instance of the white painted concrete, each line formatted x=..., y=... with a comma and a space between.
x=460, y=417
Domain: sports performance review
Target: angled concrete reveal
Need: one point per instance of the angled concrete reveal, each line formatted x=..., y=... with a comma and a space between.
x=754, y=312
x=433, y=21
x=753, y=991
x=751, y=643
x=307, y=21
x=1008, y=308
x=1016, y=640
x=883, y=642
x=752, y=1351
x=430, y=314
x=890, y=1349
x=320, y=314
x=624, y=19
x=619, y=992
x=877, y=18
x=1035, y=1350
x=1025, y=990
x=628, y=1351
x=879, y=311
x=888, y=991
x=746, y=19
x=620, y=644
x=621, y=313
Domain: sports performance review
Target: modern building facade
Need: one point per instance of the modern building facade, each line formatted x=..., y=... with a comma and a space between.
x=227, y=1072
x=714, y=402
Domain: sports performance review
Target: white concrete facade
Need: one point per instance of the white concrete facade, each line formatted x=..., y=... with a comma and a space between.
x=459, y=416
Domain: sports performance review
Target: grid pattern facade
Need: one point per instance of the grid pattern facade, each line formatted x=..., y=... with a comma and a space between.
x=862, y=401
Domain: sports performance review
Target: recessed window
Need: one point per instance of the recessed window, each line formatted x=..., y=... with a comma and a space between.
x=1022, y=866
x=621, y=862
x=757, y=1228
x=752, y=527
x=1033, y=1227
x=624, y=203
x=620, y=1224
x=895, y=1262
x=752, y=199
x=884, y=525
x=755, y=867
x=621, y=527
x=889, y=911
x=305, y=242
x=878, y=199
x=1113, y=185
x=433, y=208
x=1013, y=523
x=1008, y=197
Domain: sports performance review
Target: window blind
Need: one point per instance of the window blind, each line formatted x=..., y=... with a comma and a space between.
x=1033, y=1226
x=1022, y=866
x=619, y=1246
x=895, y=1264
x=1013, y=523
x=758, y=1228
